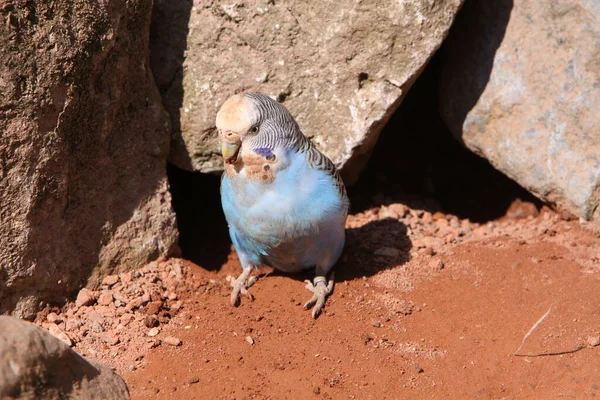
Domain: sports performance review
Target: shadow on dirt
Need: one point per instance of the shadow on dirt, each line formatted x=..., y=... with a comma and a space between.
x=360, y=257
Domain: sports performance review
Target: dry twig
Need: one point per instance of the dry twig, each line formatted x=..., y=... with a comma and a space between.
x=552, y=353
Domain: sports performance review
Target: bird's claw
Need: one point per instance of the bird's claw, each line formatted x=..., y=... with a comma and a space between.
x=240, y=285
x=320, y=289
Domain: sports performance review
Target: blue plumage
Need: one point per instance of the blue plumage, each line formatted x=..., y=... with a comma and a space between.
x=292, y=223
x=284, y=201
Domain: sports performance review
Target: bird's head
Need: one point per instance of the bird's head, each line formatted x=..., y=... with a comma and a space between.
x=253, y=119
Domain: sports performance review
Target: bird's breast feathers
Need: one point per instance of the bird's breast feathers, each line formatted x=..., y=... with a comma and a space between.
x=280, y=187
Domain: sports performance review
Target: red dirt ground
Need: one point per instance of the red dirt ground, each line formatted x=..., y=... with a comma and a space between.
x=425, y=306
x=413, y=330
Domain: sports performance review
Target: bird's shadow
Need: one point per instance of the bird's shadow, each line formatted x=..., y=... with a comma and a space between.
x=204, y=239
x=375, y=246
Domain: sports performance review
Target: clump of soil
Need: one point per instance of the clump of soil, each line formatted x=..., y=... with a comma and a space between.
x=126, y=317
x=426, y=305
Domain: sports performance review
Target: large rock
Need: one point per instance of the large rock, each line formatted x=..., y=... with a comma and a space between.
x=83, y=189
x=521, y=87
x=36, y=365
x=340, y=67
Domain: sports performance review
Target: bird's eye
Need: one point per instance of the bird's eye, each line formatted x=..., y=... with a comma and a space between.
x=254, y=129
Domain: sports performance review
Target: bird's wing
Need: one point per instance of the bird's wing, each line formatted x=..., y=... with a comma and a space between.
x=320, y=161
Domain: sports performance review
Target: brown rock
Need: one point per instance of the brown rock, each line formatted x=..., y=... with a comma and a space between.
x=134, y=304
x=399, y=209
x=593, y=341
x=172, y=296
x=110, y=280
x=105, y=298
x=437, y=216
x=153, y=332
x=153, y=343
x=436, y=264
x=150, y=321
x=106, y=311
x=84, y=146
x=110, y=338
x=126, y=319
x=155, y=297
x=72, y=325
x=442, y=223
x=77, y=377
x=172, y=341
x=97, y=327
x=522, y=209
x=58, y=333
x=332, y=63
x=125, y=278
x=85, y=298
x=94, y=316
x=145, y=298
x=53, y=318
x=519, y=87
x=153, y=307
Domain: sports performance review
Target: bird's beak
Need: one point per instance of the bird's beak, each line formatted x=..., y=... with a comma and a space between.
x=230, y=147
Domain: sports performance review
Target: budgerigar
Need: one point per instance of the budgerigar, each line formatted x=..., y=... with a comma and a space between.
x=284, y=201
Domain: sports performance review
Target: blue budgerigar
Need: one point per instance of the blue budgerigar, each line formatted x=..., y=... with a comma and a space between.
x=284, y=201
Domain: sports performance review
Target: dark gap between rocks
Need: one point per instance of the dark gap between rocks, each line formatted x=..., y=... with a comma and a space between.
x=203, y=233
x=416, y=161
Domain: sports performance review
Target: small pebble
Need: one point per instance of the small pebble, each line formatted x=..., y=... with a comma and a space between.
x=53, y=318
x=97, y=327
x=593, y=341
x=150, y=321
x=153, y=332
x=105, y=298
x=153, y=307
x=110, y=280
x=172, y=341
x=193, y=379
x=85, y=298
x=110, y=338
x=57, y=333
x=94, y=316
x=153, y=343
x=72, y=325
x=249, y=339
x=436, y=264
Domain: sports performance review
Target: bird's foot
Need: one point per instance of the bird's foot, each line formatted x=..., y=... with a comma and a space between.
x=320, y=289
x=240, y=285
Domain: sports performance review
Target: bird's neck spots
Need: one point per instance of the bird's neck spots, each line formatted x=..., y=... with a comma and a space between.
x=258, y=165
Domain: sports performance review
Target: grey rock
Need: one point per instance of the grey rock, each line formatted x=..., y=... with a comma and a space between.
x=36, y=365
x=341, y=68
x=83, y=187
x=521, y=87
